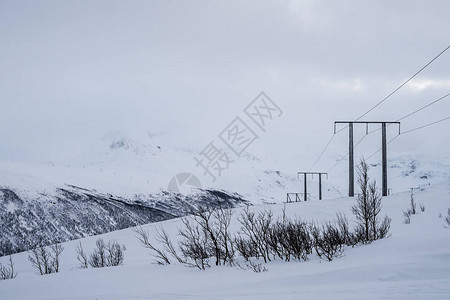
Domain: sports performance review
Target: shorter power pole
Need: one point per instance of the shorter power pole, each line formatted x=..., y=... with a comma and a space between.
x=305, y=185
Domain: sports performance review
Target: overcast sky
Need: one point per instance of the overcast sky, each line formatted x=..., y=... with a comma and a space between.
x=73, y=71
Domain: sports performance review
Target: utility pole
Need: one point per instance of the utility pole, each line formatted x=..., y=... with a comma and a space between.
x=305, y=185
x=384, y=159
x=351, y=166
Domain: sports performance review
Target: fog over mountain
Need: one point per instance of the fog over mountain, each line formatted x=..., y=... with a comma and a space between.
x=73, y=72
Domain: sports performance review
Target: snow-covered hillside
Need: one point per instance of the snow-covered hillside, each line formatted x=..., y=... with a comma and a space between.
x=413, y=263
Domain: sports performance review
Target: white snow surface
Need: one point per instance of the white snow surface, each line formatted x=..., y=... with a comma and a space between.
x=413, y=263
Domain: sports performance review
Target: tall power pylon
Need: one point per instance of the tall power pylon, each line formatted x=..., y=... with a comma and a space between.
x=351, y=164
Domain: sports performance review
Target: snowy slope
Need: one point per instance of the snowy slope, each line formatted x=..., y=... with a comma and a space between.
x=414, y=263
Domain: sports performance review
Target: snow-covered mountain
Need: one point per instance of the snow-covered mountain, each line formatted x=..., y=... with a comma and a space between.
x=72, y=212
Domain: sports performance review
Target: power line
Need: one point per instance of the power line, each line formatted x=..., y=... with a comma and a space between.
x=339, y=175
x=339, y=161
x=405, y=132
x=323, y=151
x=387, y=97
x=382, y=148
x=403, y=84
x=409, y=131
x=412, y=113
x=429, y=104
x=346, y=126
x=426, y=125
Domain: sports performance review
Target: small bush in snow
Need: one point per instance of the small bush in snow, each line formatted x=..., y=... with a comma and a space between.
x=46, y=259
x=412, y=210
x=7, y=272
x=106, y=255
x=407, y=215
x=256, y=229
x=328, y=240
x=422, y=207
x=82, y=257
x=256, y=267
x=290, y=239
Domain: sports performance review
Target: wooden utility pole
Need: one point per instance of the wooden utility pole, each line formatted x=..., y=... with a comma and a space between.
x=351, y=163
x=305, y=185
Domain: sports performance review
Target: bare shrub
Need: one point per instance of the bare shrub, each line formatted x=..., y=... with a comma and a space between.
x=82, y=257
x=115, y=255
x=144, y=238
x=412, y=210
x=407, y=215
x=44, y=260
x=204, y=218
x=422, y=207
x=194, y=246
x=383, y=229
x=246, y=248
x=162, y=237
x=205, y=234
x=7, y=272
x=290, y=239
x=347, y=237
x=256, y=228
x=367, y=209
x=106, y=255
x=226, y=242
x=97, y=259
x=216, y=224
x=256, y=267
x=57, y=249
x=328, y=240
